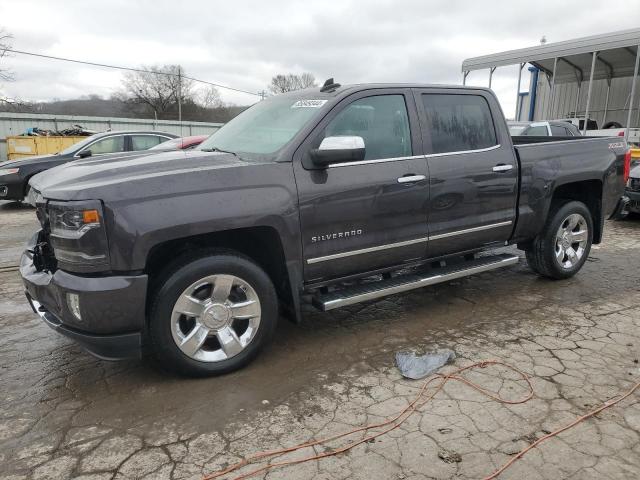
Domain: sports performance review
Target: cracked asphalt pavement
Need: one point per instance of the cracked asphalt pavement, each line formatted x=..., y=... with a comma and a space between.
x=65, y=414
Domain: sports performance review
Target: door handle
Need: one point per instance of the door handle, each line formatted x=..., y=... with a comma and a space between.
x=502, y=168
x=411, y=178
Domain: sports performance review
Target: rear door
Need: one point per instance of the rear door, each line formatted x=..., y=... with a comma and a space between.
x=362, y=215
x=472, y=169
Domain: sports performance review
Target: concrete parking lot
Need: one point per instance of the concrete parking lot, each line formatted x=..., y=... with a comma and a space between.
x=65, y=414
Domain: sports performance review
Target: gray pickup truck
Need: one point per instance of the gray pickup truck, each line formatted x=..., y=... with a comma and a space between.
x=335, y=196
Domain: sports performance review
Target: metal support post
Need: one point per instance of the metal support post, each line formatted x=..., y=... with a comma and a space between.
x=606, y=102
x=553, y=90
x=586, y=110
x=491, y=70
x=633, y=93
x=518, y=91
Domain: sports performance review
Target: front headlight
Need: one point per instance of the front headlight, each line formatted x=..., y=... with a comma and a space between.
x=78, y=236
x=8, y=171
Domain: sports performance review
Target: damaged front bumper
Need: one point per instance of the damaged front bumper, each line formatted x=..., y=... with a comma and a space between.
x=112, y=308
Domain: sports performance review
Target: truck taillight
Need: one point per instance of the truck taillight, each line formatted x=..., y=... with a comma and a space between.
x=621, y=133
x=627, y=165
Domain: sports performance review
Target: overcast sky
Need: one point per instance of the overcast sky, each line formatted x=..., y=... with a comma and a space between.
x=244, y=43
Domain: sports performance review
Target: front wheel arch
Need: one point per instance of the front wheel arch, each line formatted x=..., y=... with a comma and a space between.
x=262, y=244
x=183, y=272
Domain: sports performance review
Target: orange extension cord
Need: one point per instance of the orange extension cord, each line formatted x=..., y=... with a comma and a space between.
x=400, y=418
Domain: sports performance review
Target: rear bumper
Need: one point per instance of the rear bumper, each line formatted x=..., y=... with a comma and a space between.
x=634, y=201
x=622, y=208
x=112, y=308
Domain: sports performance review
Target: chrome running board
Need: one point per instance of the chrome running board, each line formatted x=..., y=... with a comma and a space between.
x=404, y=283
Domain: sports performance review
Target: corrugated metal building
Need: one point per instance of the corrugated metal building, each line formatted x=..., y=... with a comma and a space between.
x=564, y=104
x=594, y=76
x=17, y=123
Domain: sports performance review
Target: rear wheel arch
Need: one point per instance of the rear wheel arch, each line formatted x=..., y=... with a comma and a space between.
x=562, y=247
x=588, y=192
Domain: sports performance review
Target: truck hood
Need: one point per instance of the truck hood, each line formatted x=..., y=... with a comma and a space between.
x=140, y=176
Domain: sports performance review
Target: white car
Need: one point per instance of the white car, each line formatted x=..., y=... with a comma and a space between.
x=610, y=129
x=554, y=128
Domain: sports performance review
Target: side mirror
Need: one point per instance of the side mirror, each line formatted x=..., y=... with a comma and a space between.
x=337, y=150
x=85, y=154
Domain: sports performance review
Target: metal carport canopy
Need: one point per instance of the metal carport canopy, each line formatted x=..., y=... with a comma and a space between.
x=616, y=55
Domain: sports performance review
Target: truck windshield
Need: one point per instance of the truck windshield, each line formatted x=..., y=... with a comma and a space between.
x=264, y=128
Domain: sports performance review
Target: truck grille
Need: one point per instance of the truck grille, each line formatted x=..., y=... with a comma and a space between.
x=634, y=184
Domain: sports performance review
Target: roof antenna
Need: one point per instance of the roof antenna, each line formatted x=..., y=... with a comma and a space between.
x=329, y=86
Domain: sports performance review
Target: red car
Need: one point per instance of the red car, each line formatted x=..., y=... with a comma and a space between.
x=183, y=143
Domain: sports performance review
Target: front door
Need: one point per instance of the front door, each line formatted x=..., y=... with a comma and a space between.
x=473, y=170
x=362, y=215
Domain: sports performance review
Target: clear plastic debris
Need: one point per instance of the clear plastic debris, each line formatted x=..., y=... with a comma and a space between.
x=419, y=366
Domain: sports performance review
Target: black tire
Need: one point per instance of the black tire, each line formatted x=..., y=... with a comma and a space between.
x=541, y=256
x=609, y=125
x=173, y=282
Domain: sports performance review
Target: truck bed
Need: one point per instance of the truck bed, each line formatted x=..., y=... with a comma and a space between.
x=548, y=163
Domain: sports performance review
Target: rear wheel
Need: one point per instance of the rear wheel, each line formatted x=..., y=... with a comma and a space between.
x=212, y=314
x=561, y=249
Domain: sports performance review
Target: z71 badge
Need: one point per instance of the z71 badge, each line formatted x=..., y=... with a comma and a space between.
x=336, y=235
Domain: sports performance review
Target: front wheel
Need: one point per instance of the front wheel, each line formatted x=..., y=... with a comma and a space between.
x=562, y=248
x=212, y=314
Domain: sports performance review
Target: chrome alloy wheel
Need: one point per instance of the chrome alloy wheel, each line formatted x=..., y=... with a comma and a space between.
x=215, y=318
x=571, y=240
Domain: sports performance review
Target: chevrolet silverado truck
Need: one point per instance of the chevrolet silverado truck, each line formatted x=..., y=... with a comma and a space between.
x=329, y=196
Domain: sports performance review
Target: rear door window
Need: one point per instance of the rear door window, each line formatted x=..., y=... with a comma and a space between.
x=145, y=142
x=457, y=123
x=558, y=131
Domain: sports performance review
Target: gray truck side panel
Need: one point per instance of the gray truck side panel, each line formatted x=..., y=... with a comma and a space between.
x=546, y=166
x=267, y=198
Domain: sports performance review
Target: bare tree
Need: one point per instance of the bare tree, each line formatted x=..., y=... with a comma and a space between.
x=209, y=97
x=4, y=46
x=290, y=82
x=7, y=103
x=159, y=87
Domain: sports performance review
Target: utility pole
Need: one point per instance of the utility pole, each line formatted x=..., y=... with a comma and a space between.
x=179, y=94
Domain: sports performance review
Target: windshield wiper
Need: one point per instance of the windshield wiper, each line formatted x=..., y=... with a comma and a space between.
x=216, y=149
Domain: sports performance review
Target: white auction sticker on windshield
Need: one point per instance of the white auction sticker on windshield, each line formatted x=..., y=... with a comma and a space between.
x=308, y=104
